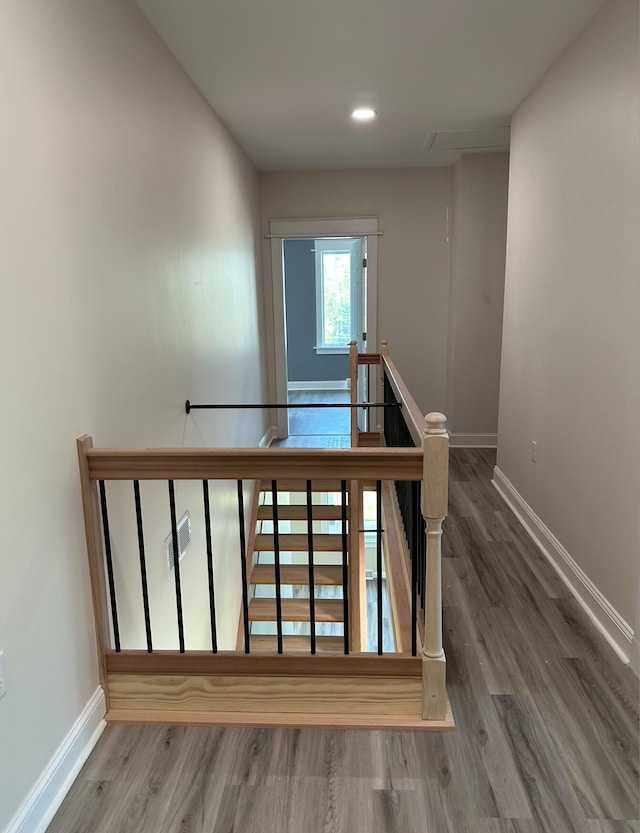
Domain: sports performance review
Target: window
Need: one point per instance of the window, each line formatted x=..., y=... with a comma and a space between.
x=333, y=295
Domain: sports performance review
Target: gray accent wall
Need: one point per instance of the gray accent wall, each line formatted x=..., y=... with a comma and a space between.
x=303, y=363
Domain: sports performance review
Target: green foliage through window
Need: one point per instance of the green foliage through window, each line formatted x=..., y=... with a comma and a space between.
x=336, y=298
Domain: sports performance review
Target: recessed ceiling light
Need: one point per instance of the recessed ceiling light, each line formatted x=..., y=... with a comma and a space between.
x=363, y=114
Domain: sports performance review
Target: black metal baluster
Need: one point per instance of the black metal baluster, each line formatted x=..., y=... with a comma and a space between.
x=107, y=552
x=176, y=565
x=368, y=397
x=421, y=558
x=390, y=415
x=379, y=560
x=422, y=544
x=276, y=560
x=143, y=564
x=243, y=569
x=416, y=527
x=421, y=549
x=212, y=593
x=312, y=594
x=414, y=573
x=345, y=568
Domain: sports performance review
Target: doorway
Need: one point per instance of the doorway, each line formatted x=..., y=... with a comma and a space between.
x=324, y=285
x=324, y=296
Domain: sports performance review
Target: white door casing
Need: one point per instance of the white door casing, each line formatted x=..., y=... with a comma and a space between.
x=314, y=229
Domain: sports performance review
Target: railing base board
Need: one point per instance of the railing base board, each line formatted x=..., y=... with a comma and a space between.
x=373, y=701
x=277, y=694
x=405, y=722
x=256, y=664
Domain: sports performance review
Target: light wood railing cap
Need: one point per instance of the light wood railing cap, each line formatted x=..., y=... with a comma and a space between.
x=435, y=423
x=384, y=348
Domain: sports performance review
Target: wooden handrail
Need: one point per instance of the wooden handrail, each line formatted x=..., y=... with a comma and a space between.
x=254, y=463
x=412, y=415
x=368, y=358
x=95, y=558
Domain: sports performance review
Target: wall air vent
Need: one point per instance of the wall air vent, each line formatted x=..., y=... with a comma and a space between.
x=184, y=542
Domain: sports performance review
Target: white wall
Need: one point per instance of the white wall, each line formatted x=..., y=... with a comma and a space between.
x=478, y=238
x=571, y=339
x=128, y=241
x=413, y=256
x=440, y=271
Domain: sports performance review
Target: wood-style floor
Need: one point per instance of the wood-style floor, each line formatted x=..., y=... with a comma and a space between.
x=317, y=428
x=546, y=739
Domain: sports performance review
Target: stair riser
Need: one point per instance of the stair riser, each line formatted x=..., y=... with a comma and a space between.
x=299, y=543
x=297, y=575
x=296, y=610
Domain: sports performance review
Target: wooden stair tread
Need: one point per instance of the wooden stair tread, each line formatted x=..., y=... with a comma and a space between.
x=296, y=610
x=299, y=543
x=268, y=642
x=297, y=574
x=298, y=512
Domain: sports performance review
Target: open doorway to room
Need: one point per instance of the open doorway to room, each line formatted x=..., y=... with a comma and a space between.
x=325, y=283
x=324, y=296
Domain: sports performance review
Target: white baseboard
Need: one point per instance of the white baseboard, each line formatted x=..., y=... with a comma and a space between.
x=271, y=434
x=603, y=615
x=473, y=440
x=332, y=384
x=54, y=783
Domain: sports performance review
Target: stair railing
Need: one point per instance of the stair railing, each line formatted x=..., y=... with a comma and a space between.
x=423, y=505
x=425, y=464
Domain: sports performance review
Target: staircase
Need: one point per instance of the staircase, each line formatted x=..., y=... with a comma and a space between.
x=296, y=609
x=176, y=680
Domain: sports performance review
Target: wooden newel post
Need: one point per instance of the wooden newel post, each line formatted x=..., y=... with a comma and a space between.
x=353, y=380
x=435, y=489
x=95, y=554
x=384, y=352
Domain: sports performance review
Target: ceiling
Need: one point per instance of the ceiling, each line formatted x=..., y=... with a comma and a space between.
x=284, y=75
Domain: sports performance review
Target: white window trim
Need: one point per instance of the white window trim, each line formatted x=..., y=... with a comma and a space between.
x=331, y=351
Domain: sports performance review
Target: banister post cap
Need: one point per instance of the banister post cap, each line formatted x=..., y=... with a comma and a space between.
x=435, y=423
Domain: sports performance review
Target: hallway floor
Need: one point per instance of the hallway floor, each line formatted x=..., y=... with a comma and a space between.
x=317, y=428
x=546, y=739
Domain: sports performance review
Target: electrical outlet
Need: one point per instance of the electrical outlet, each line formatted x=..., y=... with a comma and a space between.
x=534, y=451
x=3, y=679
